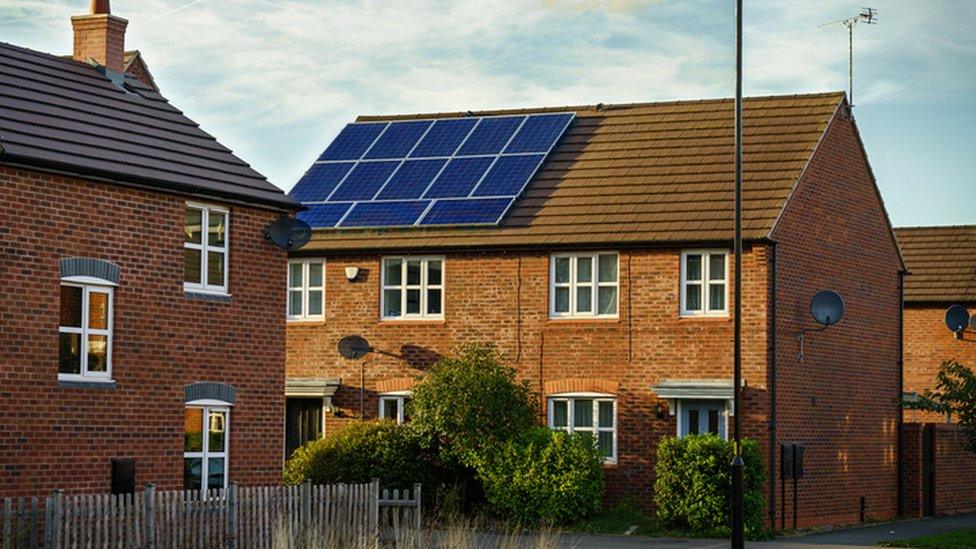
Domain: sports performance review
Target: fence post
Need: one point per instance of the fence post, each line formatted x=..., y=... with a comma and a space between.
x=374, y=510
x=232, y=516
x=55, y=526
x=149, y=506
x=305, y=495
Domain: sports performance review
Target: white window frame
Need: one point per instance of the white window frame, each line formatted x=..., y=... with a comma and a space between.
x=88, y=285
x=597, y=398
x=401, y=398
x=209, y=406
x=706, y=282
x=573, y=284
x=304, y=289
x=424, y=287
x=683, y=404
x=205, y=247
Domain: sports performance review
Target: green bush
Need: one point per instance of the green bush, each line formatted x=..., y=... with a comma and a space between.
x=694, y=485
x=543, y=476
x=360, y=452
x=469, y=403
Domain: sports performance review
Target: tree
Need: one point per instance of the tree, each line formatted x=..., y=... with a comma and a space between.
x=955, y=396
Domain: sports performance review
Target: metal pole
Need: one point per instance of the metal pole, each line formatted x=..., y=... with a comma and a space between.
x=850, y=62
x=738, y=537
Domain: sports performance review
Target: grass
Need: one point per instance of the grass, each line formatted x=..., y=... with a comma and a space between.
x=960, y=539
x=617, y=520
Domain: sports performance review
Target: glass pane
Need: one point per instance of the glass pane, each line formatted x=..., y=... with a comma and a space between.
x=315, y=275
x=413, y=302
x=192, y=226
x=562, y=300
x=433, y=302
x=584, y=299
x=693, y=267
x=217, y=229
x=434, y=272
x=391, y=303
x=215, y=268
x=713, y=421
x=295, y=275
x=608, y=268
x=97, y=353
x=191, y=473
x=693, y=297
x=295, y=302
x=560, y=413
x=217, y=432
x=413, y=272
x=716, y=297
x=215, y=473
x=390, y=408
x=70, y=354
x=71, y=306
x=562, y=270
x=315, y=302
x=193, y=430
x=98, y=310
x=716, y=267
x=606, y=414
x=583, y=413
x=605, y=443
x=392, y=272
x=608, y=300
x=693, y=421
x=584, y=269
x=191, y=266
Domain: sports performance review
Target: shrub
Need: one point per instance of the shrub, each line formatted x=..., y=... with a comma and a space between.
x=543, y=476
x=693, y=489
x=471, y=402
x=360, y=452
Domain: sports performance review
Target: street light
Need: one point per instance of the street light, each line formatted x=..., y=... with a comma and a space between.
x=738, y=465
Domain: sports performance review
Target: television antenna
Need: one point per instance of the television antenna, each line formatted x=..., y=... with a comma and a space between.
x=868, y=16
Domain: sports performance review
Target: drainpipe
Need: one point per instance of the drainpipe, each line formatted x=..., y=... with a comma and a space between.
x=772, y=392
x=901, y=387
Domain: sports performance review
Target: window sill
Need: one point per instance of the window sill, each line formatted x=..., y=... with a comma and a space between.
x=80, y=383
x=305, y=321
x=708, y=318
x=584, y=319
x=208, y=296
x=433, y=320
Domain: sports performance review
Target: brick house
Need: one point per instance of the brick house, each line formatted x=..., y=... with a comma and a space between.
x=607, y=286
x=140, y=325
x=942, y=272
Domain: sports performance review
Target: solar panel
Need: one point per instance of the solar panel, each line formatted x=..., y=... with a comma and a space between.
x=451, y=171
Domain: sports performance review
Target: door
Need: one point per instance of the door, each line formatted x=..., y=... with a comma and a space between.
x=303, y=422
x=702, y=416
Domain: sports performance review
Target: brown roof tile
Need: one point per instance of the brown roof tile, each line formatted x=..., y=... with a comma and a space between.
x=941, y=263
x=638, y=174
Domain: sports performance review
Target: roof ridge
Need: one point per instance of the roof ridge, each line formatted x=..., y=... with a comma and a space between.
x=935, y=227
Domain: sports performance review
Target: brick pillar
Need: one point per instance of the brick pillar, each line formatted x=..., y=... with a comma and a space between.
x=911, y=463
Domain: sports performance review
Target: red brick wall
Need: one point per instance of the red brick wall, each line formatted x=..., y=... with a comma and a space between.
x=928, y=343
x=54, y=437
x=954, y=468
x=840, y=402
x=503, y=298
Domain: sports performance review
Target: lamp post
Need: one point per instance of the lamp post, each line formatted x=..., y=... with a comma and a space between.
x=738, y=465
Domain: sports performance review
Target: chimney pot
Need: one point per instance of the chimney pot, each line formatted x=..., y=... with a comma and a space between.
x=99, y=6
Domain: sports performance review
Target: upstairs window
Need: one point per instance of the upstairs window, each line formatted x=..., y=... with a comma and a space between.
x=85, y=332
x=704, y=283
x=413, y=288
x=587, y=413
x=394, y=406
x=583, y=285
x=205, y=248
x=306, y=289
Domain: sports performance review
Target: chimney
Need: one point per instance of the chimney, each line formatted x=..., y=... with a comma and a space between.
x=100, y=37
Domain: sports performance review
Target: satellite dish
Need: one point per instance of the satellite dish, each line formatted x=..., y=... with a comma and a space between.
x=289, y=233
x=354, y=347
x=957, y=318
x=972, y=322
x=827, y=307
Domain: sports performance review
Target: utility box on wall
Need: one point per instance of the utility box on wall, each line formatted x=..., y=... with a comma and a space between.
x=123, y=476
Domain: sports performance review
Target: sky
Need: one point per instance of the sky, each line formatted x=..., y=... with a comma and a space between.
x=275, y=80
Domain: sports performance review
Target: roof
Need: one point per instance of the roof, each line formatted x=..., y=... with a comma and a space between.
x=66, y=116
x=941, y=263
x=636, y=174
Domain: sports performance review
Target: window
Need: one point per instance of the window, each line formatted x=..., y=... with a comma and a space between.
x=394, y=406
x=205, y=441
x=413, y=287
x=205, y=250
x=697, y=417
x=594, y=414
x=85, y=332
x=583, y=285
x=306, y=289
x=704, y=283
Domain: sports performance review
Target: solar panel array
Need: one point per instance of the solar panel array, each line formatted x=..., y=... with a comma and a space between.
x=450, y=171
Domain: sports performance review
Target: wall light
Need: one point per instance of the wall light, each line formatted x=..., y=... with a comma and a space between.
x=352, y=273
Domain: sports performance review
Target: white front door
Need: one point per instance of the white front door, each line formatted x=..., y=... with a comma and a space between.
x=702, y=416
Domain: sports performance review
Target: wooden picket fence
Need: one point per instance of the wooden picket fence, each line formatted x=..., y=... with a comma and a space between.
x=271, y=517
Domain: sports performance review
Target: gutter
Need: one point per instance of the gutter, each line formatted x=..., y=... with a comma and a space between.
x=772, y=393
